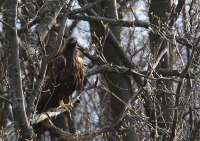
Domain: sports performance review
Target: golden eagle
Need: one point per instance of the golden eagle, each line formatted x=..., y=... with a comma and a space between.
x=64, y=75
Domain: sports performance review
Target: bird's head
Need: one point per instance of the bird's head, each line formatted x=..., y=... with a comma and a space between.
x=72, y=41
x=69, y=46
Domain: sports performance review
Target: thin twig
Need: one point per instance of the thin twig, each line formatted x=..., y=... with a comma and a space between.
x=7, y=25
x=6, y=100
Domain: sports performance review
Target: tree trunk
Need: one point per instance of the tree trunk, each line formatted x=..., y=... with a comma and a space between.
x=164, y=100
x=14, y=74
x=119, y=84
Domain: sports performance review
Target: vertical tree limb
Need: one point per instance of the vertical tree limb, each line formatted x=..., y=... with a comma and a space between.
x=11, y=44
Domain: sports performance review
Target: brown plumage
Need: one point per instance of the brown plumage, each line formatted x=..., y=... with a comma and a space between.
x=64, y=75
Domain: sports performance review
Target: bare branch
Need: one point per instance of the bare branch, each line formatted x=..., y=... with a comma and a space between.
x=6, y=24
x=45, y=115
x=177, y=118
x=123, y=70
x=91, y=134
x=1, y=97
x=6, y=132
x=29, y=25
x=112, y=22
x=78, y=136
x=85, y=8
x=48, y=14
x=92, y=58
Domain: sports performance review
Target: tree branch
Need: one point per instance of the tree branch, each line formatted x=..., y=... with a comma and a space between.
x=92, y=134
x=120, y=69
x=48, y=14
x=78, y=136
x=6, y=132
x=113, y=22
x=115, y=43
x=10, y=102
x=175, y=14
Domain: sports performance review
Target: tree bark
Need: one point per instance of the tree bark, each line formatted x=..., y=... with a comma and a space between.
x=118, y=84
x=15, y=83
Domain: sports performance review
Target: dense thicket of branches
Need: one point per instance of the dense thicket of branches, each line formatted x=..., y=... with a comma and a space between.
x=142, y=68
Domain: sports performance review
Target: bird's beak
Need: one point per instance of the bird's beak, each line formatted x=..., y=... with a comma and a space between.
x=74, y=41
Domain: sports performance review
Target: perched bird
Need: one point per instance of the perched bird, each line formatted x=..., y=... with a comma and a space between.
x=64, y=75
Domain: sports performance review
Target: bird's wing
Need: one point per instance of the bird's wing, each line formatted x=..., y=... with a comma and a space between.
x=71, y=79
x=55, y=68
